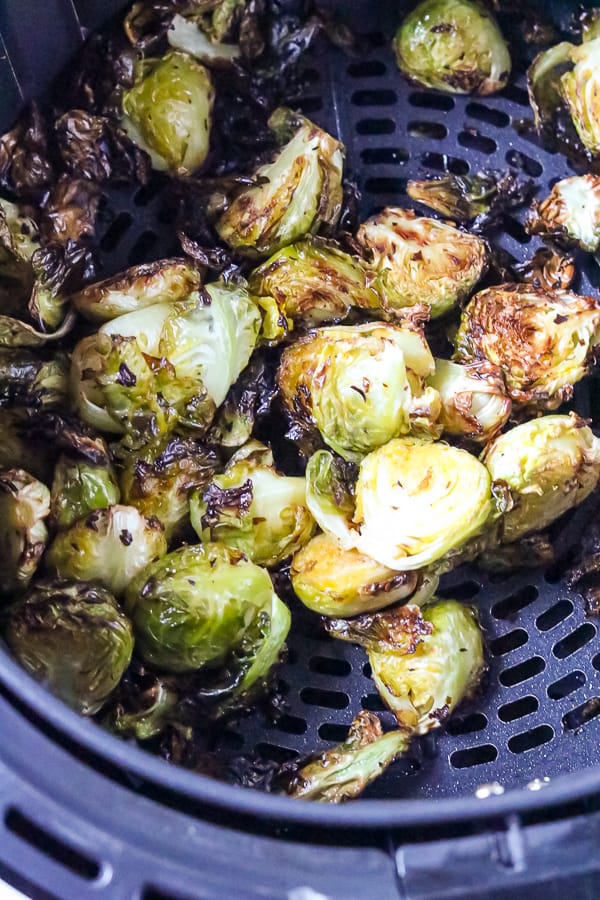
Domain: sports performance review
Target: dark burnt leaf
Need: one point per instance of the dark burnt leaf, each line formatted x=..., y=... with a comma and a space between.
x=247, y=403
x=399, y=630
x=69, y=210
x=69, y=434
x=237, y=500
x=146, y=24
x=93, y=147
x=213, y=257
x=25, y=166
x=548, y=268
x=63, y=267
x=99, y=74
x=531, y=552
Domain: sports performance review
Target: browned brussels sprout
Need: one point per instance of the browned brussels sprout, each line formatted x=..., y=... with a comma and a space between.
x=24, y=507
x=80, y=486
x=474, y=400
x=571, y=213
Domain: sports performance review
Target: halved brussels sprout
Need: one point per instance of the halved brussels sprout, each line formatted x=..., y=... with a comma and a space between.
x=208, y=606
x=571, y=213
x=24, y=505
x=109, y=546
x=454, y=46
x=474, y=400
x=549, y=465
x=420, y=261
x=168, y=112
x=166, y=280
x=30, y=382
x=314, y=282
x=580, y=88
x=543, y=341
x=73, y=638
x=344, y=771
x=296, y=194
x=253, y=508
x=80, y=486
x=360, y=386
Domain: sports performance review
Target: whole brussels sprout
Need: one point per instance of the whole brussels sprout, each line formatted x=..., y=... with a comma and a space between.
x=419, y=261
x=454, y=46
x=294, y=195
x=109, y=546
x=72, y=637
x=79, y=487
x=360, y=386
x=208, y=606
x=474, y=400
x=542, y=340
x=168, y=112
x=571, y=213
x=24, y=505
x=549, y=466
x=253, y=508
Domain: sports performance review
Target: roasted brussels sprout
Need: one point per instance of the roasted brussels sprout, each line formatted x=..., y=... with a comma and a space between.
x=454, y=46
x=109, y=546
x=571, y=213
x=168, y=112
x=344, y=771
x=314, y=282
x=480, y=198
x=543, y=341
x=414, y=502
x=548, y=268
x=549, y=466
x=72, y=637
x=166, y=280
x=24, y=506
x=424, y=662
x=474, y=400
x=296, y=194
x=360, y=386
x=208, y=606
x=253, y=508
x=80, y=486
x=29, y=382
x=420, y=261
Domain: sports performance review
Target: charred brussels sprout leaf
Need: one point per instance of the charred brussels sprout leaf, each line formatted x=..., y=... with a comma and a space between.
x=27, y=381
x=248, y=401
x=549, y=466
x=253, y=508
x=344, y=771
x=474, y=400
x=453, y=45
x=94, y=148
x=481, y=199
x=399, y=630
x=360, y=386
x=168, y=112
x=571, y=213
x=296, y=194
x=24, y=506
x=18, y=444
x=548, y=269
x=421, y=262
x=73, y=638
x=543, y=341
x=25, y=167
x=79, y=487
x=109, y=546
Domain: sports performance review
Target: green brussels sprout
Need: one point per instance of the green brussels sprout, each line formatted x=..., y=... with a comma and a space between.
x=166, y=280
x=171, y=364
x=454, y=46
x=337, y=582
x=423, y=664
x=344, y=771
x=168, y=112
x=208, y=606
x=542, y=340
x=294, y=195
x=314, y=282
x=549, y=466
x=253, y=508
x=159, y=480
x=571, y=213
x=421, y=262
x=414, y=501
x=474, y=401
x=29, y=382
x=360, y=386
x=109, y=546
x=80, y=486
x=24, y=505
x=73, y=638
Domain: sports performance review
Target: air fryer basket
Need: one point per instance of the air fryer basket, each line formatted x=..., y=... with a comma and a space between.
x=502, y=755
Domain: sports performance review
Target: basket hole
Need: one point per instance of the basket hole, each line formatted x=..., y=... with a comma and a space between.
x=510, y=606
x=328, y=699
x=553, y=616
x=517, y=95
x=148, y=192
x=275, y=753
x=515, y=229
x=291, y=724
x=475, y=141
x=309, y=105
x=50, y=845
x=423, y=100
x=522, y=671
x=156, y=893
x=487, y=114
x=331, y=731
x=474, y=756
x=385, y=185
x=112, y=236
x=524, y=706
x=462, y=592
x=565, y=686
x=441, y=162
x=596, y=662
x=506, y=643
x=373, y=703
x=467, y=724
x=368, y=671
x=384, y=156
x=524, y=163
x=327, y=665
x=574, y=641
x=374, y=97
x=529, y=740
x=433, y=131
x=577, y=718
x=367, y=68
x=375, y=126
x=142, y=247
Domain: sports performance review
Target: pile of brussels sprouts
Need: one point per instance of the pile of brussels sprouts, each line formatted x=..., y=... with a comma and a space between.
x=155, y=528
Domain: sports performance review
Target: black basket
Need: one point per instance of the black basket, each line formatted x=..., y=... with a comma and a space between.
x=515, y=775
